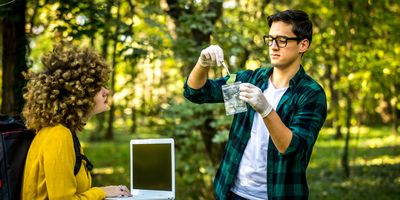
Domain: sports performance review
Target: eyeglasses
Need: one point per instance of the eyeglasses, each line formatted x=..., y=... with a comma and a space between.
x=281, y=41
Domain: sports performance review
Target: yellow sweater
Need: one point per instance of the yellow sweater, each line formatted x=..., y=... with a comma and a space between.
x=49, y=169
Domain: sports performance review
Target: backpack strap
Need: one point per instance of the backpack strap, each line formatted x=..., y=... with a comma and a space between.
x=79, y=156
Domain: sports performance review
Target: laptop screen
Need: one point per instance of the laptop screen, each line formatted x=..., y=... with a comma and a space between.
x=151, y=166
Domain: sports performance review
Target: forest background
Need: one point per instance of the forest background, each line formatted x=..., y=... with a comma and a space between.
x=153, y=45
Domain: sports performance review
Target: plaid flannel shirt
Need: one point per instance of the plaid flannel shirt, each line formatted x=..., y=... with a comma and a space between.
x=302, y=109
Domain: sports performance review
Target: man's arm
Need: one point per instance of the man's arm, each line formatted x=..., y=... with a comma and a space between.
x=198, y=77
x=209, y=57
x=304, y=126
x=280, y=134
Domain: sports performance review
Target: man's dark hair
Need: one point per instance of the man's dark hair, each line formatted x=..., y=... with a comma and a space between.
x=302, y=26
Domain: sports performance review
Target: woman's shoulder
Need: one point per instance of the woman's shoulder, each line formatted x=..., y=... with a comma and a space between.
x=58, y=131
x=53, y=140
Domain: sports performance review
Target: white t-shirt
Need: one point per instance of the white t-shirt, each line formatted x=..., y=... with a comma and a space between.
x=251, y=180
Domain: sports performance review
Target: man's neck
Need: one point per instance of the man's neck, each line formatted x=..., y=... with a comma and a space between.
x=281, y=77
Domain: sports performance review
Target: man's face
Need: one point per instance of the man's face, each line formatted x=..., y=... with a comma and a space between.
x=284, y=57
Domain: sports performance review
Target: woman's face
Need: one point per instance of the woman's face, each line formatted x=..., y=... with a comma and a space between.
x=100, y=101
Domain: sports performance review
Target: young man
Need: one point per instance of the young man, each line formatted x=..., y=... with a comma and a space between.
x=270, y=145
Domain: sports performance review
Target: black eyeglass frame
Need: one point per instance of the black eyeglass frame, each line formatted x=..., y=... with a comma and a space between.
x=270, y=43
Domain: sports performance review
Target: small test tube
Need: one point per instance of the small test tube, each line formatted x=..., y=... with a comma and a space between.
x=226, y=67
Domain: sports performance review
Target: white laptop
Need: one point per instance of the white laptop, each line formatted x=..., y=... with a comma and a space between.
x=152, y=169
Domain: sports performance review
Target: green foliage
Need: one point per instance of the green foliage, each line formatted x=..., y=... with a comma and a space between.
x=177, y=115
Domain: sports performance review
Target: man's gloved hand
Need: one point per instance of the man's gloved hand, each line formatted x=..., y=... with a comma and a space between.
x=211, y=56
x=255, y=97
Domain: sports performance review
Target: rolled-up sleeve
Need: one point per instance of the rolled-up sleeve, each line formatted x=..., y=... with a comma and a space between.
x=307, y=122
x=210, y=93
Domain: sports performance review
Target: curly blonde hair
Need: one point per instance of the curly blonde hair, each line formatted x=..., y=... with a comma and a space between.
x=64, y=92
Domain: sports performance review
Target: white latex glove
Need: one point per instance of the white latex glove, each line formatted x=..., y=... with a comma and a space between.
x=211, y=56
x=255, y=97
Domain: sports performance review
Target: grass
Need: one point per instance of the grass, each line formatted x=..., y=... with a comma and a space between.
x=374, y=165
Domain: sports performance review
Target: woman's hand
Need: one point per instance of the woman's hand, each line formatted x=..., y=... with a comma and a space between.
x=115, y=191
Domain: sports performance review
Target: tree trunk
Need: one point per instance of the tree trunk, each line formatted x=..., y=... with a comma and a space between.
x=14, y=57
x=246, y=57
x=134, y=120
x=333, y=78
x=345, y=157
x=394, y=120
x=1, y=48
x=110, y=130
x=101, y=118
x=214, y=150
x=394, y=109
x=200, y=39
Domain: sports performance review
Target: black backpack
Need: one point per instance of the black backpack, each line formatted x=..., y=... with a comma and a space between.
x=15, y=140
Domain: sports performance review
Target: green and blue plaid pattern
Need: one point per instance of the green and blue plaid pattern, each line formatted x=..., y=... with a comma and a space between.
x=302, y=109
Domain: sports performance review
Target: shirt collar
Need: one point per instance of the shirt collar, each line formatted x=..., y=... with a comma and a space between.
x=297, y=77
x=293, y=82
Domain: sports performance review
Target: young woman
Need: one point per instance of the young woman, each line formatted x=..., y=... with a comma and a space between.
x=59, y=101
